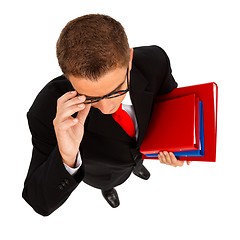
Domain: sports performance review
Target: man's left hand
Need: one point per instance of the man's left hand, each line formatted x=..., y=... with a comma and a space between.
x=170, y=159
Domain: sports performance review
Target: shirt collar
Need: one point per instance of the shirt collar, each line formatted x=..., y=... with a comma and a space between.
x=127, y=99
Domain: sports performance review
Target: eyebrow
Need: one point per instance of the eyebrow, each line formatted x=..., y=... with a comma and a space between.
x=108, y=93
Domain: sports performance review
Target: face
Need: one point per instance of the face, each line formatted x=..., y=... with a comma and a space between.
x=112, y=81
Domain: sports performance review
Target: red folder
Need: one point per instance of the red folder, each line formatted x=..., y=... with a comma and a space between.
x=173, y=126
x=177, y=112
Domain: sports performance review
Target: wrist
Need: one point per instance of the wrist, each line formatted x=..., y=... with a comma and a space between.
x=70, y=162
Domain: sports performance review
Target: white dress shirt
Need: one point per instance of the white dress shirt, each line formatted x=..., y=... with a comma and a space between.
x=128, y=107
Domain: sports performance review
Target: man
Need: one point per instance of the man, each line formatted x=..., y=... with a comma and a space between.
x=75, y=133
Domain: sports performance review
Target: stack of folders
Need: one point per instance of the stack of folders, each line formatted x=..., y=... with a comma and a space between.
x=184, y=122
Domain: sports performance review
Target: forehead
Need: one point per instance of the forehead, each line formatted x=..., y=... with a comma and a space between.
x=104, y=85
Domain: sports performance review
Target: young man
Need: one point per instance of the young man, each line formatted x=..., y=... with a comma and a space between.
x=76, y=135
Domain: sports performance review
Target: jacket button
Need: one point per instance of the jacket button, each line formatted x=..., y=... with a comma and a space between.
x=66, y=181
x=60, y=186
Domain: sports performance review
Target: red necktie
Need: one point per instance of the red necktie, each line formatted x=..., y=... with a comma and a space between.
x=125, y=121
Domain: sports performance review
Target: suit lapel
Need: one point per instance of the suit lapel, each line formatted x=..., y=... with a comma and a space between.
x=142, y=102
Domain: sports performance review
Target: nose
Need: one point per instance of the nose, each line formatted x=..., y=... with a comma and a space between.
x=106, y=106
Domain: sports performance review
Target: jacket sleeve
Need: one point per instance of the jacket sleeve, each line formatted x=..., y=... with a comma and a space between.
x=168, y=83
x=154, y=65
x=48, y=184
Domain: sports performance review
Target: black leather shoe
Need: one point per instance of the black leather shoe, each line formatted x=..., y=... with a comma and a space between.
x=142, y=173
x=111, y=197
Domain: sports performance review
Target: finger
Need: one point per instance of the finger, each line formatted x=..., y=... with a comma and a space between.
x=189, y=162
x=168, y=158
x=179, y=163
x=65, y=97
x=175, y=162
x=64, y=114
x=161, y=158
x=74, y=101
x=172, y=160
x=82, y=115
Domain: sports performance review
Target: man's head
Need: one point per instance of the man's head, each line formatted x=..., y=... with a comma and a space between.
x=93, y=53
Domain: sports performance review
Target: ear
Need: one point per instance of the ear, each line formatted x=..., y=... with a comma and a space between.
x=131, y=58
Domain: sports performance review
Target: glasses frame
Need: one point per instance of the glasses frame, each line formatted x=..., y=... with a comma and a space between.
x=90, y=100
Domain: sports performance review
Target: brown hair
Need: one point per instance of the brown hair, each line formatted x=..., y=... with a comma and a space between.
x=91, y=45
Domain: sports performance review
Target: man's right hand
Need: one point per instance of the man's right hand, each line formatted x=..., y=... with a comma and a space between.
x=69, y=131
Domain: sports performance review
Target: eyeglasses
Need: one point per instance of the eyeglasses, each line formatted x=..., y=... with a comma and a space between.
x=90, y=100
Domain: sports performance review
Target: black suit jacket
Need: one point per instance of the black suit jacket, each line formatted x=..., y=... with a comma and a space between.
x=108, y=153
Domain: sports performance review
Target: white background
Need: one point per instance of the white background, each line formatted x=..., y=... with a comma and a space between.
x=200, y=201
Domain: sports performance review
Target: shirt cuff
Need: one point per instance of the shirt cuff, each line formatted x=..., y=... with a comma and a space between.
x=78, y=164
